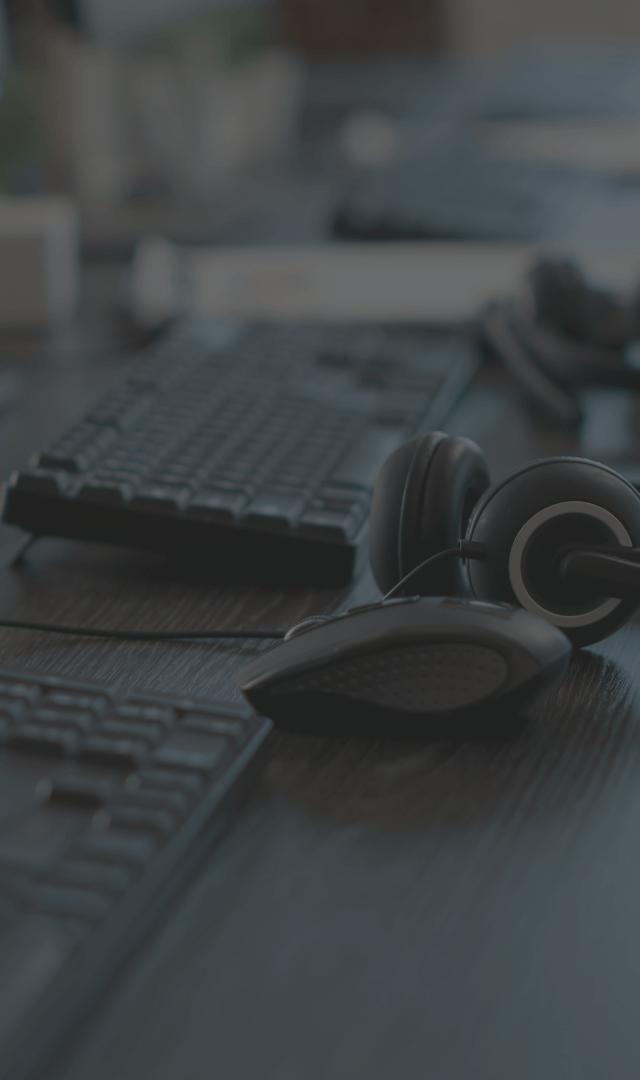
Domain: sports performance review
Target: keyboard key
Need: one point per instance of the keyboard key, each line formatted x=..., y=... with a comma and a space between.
x=75, y=791
x=73, y=903
x=90, y=875
x=128, y=729
x=11, y=711
x=143, y=713
x=345, y=495
x=189, y=760
x=117, y=847
x=65, y=461
x=38, y=482
x=30, y=739
x=164, y=777
x=173, y=801
x=330, y=524
x=119, y=753
x=160, y=498
x=205, y=724
x=65, y=699
x=223, y=505
x=111, y=494
x=274, y=510
x=19, y=691
x=76, y=719
x=121, y=410
x=141, y=819
x=79, y=450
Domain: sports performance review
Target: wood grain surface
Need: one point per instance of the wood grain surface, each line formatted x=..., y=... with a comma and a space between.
x=377, y=910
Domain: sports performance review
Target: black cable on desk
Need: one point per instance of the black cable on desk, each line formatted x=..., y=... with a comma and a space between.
x=143, y=635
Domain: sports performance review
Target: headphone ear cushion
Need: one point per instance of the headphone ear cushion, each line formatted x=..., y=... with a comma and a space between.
x=386, y=510
x=558, y=290
x=421, y=505
x=563, y=300
x=440, y=495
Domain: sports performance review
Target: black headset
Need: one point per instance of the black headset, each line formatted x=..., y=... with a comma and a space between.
x=561, y=334
x=559, y=537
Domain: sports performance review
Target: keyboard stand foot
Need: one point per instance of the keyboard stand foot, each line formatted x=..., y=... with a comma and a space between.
x=20, y=555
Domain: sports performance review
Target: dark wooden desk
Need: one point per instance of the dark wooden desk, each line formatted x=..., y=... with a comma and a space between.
x=451, y=911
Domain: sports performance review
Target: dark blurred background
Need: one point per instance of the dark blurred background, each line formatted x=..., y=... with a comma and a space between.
x=287, y=121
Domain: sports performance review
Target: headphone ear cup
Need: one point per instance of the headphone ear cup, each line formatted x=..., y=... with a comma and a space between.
x=529, y=519
x=439, y=498
x=563, y=300
x=558, y=291
x=386, y=510
x=421, y=504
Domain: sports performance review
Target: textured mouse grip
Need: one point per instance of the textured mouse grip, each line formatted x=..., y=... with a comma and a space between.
x=422, y=679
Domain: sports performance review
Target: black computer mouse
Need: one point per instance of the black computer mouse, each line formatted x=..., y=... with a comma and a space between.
x=411, y=667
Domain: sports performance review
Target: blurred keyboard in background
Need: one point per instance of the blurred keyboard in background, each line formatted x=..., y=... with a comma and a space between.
x=564, y=82
x=460, y=193
x=480, y=166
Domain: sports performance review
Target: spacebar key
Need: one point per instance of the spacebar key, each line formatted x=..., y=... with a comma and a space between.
x=362, y=463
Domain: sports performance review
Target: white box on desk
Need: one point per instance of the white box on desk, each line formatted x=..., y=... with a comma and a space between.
x=39, y=260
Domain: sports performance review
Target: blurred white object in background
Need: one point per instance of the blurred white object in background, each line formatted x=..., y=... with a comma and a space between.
x=172, y=120
x=418, y=282
x=489, y=28
x=369, y=138
x=199, y=123
x=39, y=261
x=607, y=145
x=155, y=289
x=86, y=143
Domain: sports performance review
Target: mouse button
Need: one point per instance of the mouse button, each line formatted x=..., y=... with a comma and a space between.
x=433, y=623
x=439, y=677
x=470, y=605
x=300, y=652
x=541, y=640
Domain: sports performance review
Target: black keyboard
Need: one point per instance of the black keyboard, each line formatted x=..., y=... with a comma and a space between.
x=462, y=194
x=108, y=802
x=254, y=449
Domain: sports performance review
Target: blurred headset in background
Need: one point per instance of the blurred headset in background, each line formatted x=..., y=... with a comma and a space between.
x=561, y=334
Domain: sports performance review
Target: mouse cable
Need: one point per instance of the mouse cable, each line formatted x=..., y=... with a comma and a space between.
x=464, y=549
x=143, y=635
